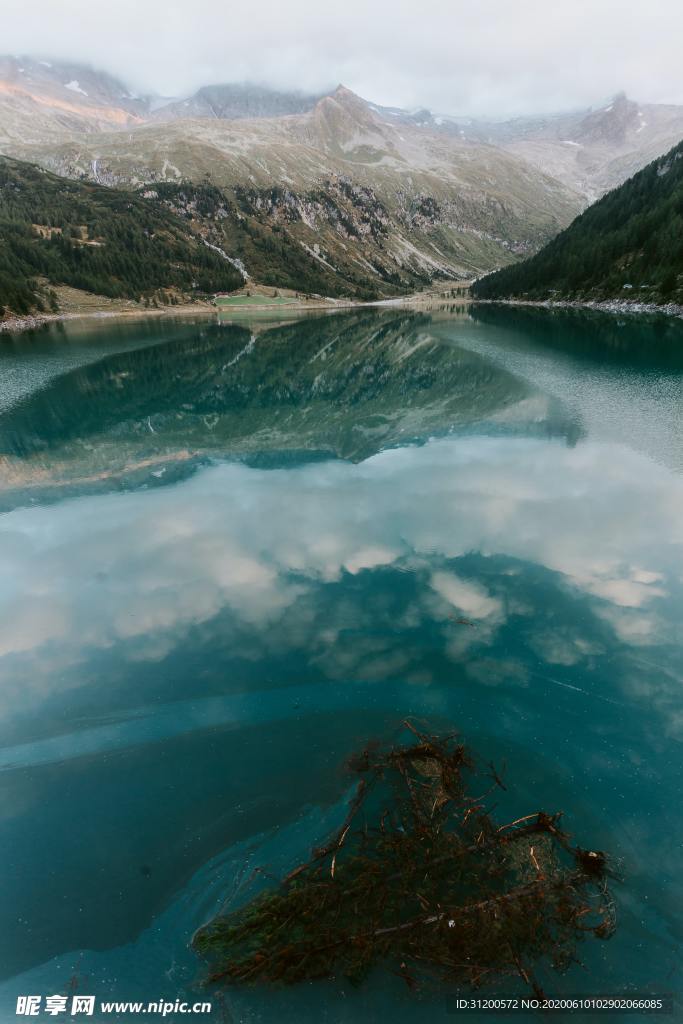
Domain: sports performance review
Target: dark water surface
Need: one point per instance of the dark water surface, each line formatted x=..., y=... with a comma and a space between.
x=231, y=554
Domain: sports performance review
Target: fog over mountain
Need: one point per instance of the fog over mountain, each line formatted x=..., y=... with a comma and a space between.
x=490, y=59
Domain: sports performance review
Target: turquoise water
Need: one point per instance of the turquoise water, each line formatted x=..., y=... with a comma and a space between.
x=231, y=554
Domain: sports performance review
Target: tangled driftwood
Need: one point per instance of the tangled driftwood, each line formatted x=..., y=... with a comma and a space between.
x=420, y=878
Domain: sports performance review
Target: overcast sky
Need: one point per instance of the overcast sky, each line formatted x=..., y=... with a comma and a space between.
x=496, y=57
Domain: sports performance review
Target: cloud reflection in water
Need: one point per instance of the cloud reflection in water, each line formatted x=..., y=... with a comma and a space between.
x=138, y=572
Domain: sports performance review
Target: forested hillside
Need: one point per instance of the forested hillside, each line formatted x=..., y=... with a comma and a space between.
x=107, y=241
x=266, y=230
x=627, y=245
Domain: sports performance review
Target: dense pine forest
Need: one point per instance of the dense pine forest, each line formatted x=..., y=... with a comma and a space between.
x=627, y=245
x=54, y=231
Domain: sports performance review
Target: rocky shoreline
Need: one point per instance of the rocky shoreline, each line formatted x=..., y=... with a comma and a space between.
x=31, y=322
x=604, y=305
x=28, y=323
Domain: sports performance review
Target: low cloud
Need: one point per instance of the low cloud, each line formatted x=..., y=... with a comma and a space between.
x=492, y=58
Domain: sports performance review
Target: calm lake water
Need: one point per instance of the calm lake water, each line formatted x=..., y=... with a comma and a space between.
x=230, y=554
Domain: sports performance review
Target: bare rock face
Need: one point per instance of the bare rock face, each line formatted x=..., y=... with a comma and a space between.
x=39, y=99
x=235, y=102
x=595, y=150
x=611, y=125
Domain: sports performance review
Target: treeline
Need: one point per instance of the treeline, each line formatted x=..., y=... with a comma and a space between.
x=54, y=231
x=627, y=245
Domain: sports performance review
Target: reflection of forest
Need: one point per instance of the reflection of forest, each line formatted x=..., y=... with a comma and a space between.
x=650, y=343
x=347, y=385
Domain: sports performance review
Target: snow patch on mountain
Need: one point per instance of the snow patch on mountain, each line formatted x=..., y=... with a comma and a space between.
x=237, y=264
x=75, y=87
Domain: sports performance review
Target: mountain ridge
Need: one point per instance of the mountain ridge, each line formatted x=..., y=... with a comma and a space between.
x=327, y=176
x=589, y=150
x=328, y=192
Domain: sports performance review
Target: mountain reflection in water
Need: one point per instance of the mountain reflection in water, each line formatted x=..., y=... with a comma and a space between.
x=184, y=670
x=347, y=386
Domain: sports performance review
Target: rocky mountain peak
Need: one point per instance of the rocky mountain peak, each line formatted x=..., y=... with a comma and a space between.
x=345, y=106
x=237, y=101
x=348, y=99
x=75, y=82
x=342, y=92
x=611, y=124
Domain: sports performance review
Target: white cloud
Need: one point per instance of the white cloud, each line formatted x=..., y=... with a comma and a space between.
x=368, y=558
x=140, y=569
x=492, y=57
x=466, y=596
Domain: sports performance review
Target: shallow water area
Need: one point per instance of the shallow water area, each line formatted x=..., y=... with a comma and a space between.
x=232, y=553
